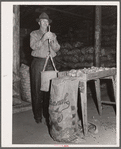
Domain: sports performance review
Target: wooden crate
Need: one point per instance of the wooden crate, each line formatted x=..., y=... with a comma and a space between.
x=62, y=74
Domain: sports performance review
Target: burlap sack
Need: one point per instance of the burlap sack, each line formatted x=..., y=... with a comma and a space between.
x=25, y=83
x=63, y=109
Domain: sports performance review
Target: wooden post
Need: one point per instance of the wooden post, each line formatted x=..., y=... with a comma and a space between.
x=16, y=55
x=16, y=43
x=97, y=35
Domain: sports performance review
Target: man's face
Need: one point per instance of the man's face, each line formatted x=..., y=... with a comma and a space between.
x=44, y=22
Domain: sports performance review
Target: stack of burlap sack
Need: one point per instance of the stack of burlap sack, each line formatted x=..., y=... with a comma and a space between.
x=76, y=55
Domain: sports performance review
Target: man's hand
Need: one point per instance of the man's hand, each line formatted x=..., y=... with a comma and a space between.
x=50, y=36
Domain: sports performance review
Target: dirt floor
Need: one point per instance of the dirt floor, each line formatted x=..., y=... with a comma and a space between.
x=26, y=131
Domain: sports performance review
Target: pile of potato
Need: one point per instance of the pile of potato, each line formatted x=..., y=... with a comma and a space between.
x=81, y=72
x=77, y=56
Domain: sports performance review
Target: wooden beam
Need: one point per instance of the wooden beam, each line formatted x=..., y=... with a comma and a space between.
x=97, y=35
x=63, y=11
x=108, y=102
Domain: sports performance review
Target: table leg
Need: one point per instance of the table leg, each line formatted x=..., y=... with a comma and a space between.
x=114, y=86
x=83, y=94
x=113, y=78
x=98, y=94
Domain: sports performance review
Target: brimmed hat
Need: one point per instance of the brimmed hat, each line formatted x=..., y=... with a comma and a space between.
x=44, y=16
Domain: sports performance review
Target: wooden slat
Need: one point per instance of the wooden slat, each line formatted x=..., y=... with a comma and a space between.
x=108, y=102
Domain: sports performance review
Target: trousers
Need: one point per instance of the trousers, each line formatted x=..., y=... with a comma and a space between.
x=40, y=99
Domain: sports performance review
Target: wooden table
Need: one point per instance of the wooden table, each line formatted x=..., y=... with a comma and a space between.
x=96, y=76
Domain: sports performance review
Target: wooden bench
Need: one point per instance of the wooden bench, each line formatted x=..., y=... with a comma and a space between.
x=107, y=74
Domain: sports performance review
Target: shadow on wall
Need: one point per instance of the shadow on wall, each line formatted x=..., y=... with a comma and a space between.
x=25, y=51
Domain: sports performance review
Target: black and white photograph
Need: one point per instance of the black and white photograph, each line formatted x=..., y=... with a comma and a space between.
x=60, y=74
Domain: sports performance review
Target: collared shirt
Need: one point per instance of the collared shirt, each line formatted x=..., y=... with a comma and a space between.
x=40, y=49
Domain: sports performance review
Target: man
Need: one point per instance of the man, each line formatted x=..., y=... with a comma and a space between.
x=40, y=49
